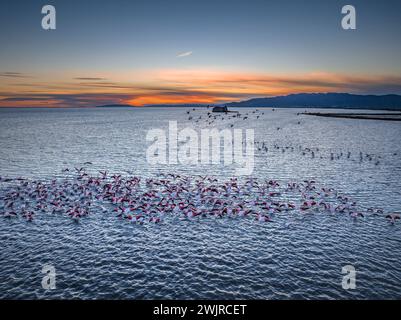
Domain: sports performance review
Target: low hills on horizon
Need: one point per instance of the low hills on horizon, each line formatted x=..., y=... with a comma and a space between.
x=308, y=100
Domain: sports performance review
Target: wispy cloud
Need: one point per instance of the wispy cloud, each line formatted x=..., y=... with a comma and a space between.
x=13, y=75
x=89, y=79
x=184, y=54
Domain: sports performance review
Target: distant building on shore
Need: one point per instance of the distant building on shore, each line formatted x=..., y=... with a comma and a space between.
x=222, y=109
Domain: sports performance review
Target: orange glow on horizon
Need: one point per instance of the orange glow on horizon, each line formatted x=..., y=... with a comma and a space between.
x=149, y=100
x=177, y=86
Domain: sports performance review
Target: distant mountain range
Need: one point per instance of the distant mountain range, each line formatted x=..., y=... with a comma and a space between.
x=306, y=100
x=325, y=100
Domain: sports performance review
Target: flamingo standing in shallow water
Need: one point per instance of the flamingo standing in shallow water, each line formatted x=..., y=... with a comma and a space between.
x=393, y=217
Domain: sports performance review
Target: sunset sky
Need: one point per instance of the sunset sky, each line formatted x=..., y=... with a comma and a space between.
x=174, y=52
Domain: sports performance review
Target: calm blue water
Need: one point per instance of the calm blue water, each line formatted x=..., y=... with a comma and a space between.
x=295, y=257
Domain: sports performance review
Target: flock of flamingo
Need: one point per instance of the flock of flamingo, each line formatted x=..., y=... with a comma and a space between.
x=139, y=201
x=212, y=118
x=230, y=119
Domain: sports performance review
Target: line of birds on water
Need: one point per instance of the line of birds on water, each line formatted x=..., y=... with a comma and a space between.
x=318, y=153
x=140, y=201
